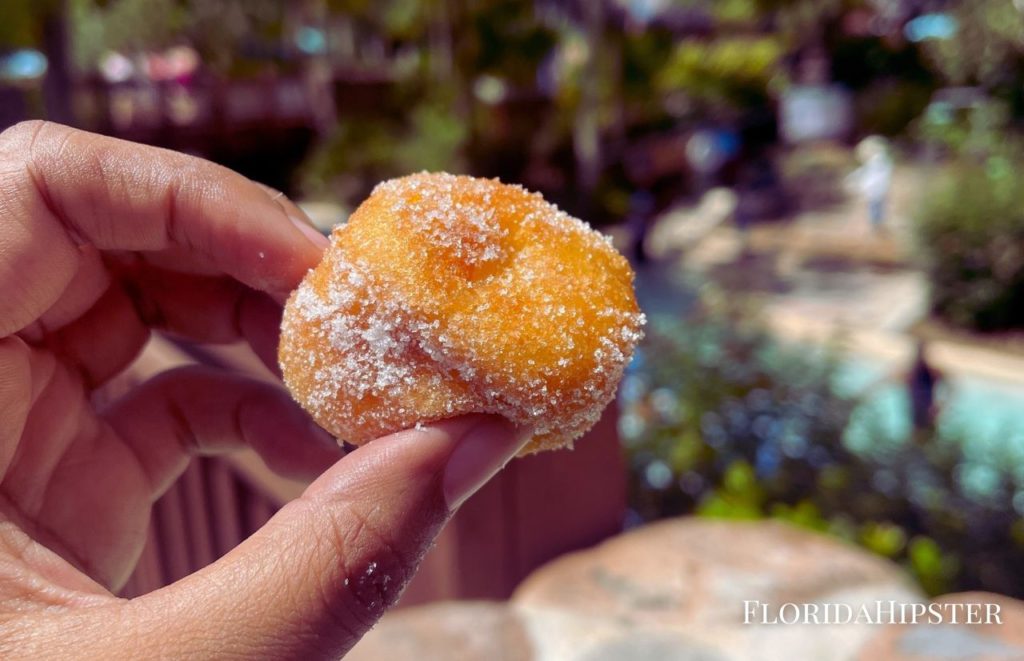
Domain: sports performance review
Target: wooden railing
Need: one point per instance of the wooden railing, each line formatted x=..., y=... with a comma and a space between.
x=536, y=509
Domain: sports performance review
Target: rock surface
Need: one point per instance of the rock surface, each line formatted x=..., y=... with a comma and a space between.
x=675, y=591
x=687, y=581
x=446, y=631
x=978, y=642
x=700, y=571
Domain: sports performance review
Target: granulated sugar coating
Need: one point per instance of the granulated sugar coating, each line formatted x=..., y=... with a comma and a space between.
x=445, y=295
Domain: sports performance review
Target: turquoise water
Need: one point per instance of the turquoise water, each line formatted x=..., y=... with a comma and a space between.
x=987, y=416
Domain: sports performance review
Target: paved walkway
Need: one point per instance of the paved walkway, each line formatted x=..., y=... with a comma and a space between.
x=831, y=277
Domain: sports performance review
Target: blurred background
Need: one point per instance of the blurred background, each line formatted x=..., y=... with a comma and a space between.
x=820, y=198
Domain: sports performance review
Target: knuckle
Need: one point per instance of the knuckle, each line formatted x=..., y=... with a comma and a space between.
x=18, y=142
x=22, y=133
x=375, y=570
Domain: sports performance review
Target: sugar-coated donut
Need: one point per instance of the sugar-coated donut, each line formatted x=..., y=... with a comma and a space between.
x=445, y=295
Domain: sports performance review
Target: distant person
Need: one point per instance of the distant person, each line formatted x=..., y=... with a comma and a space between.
x=757, y=188
x=707, y=152
x=873, y=178
x=922, y=383
x=641, y=209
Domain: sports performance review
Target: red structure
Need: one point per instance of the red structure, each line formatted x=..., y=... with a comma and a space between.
x=536, y=509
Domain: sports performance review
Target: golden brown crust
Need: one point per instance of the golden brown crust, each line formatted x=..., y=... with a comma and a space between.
x=445, y=295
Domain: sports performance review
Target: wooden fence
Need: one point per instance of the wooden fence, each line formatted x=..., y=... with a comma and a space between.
x=536, y=509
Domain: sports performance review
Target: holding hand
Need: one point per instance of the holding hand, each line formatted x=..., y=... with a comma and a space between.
x=101, y=241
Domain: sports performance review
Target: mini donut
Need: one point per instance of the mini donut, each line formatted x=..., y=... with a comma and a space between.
x=446, y=295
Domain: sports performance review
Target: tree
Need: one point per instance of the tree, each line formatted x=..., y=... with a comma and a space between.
x=222, y=31
x=987, y=48
x=42, y=24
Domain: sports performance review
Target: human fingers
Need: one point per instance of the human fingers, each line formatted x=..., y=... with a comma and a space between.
x=199, y=308
x=176, y=258
x=305, y=586
x=196, y=410
x=204, y=308
x=62, y=188
x=15, y=398
x=89, y=284
x=322, y=571
x=102, y=342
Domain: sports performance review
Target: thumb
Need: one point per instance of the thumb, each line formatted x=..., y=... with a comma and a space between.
x=321, y=572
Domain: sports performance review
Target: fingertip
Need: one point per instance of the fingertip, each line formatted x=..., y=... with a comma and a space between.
x=259, y=321
x=483, y=450
x=459, y=454
x=285, y=437
x=307, y=234
x=312, y=234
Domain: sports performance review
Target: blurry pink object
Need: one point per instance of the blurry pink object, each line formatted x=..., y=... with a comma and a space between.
x=177, y=63
x=116, y=68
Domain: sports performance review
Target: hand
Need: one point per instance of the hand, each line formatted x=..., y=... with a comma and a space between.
x=100, y=241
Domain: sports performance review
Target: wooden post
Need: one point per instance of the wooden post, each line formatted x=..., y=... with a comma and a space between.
x=536, y=509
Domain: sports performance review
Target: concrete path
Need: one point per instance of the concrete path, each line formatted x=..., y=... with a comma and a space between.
x=824, y=277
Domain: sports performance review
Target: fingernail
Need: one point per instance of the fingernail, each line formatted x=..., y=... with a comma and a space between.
x=482, y=452
x=312, y=233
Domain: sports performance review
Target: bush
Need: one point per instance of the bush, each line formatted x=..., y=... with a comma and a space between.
x=887, y=107
x=361, y=151
x=971, y=233
x=719, y=419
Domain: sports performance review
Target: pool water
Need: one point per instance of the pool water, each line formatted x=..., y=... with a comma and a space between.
x=986, y=415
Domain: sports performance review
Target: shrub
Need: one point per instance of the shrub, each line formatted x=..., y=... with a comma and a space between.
x=887, y=107
x=361, y=151
x=719, y=419
x=970, y=230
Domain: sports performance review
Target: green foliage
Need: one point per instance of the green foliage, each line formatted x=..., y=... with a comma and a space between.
x=932, y=567
x=883, y=538
x=220, y=30
x=501, y=37
x=736, y=11
x=740, y=496
x=986, y=48
x=460, y=116
x=125, y=26
x=804, y=514
x=888, y=107
x=758, y=427
x=396, y=19
x=804, y=21
x=433, y=140
x=22, y=22
x=361, y=150
x=723, y=421
x=725, y=71
x=970, y=229
x=976, y=132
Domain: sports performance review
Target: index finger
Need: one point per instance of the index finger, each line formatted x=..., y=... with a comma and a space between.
x=65, y=187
